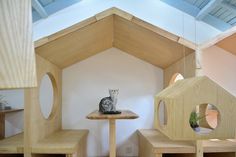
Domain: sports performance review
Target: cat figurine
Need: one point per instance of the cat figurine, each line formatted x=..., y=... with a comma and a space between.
x=108, y=104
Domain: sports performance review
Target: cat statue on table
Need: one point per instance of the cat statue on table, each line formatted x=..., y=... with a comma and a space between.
x=108, y=104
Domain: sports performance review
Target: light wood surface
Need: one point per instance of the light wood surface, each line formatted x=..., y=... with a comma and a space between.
x=152, y=142
x=186, y=67
x=159, y=143
x=146, y=44
x=36, y=126
x=180, y=100
x=80, y=44
x=12, y=145
x=228, y=44
x=2, y=120
x=61, y=142
x=125, y=114
x=217, y=38
x=112, y=137
x=17, y=56
x=113, y=28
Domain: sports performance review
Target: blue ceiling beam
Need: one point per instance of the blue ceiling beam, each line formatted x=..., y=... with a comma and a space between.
x=229, y=7
x=194, y=11
x=207, y=9
x=39, y=8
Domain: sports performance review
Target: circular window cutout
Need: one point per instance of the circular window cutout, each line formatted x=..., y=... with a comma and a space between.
x=162, y=113
x=46, y=96
x=204, y=118
x=176, y=77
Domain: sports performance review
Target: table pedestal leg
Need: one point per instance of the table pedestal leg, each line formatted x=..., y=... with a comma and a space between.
x=112, y=137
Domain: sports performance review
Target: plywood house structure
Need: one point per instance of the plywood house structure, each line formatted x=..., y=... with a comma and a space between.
x=181, y=98
x=111, y=28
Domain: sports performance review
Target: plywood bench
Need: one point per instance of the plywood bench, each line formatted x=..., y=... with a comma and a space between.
x=13, y=146
x=152, y=143
x=68, y=142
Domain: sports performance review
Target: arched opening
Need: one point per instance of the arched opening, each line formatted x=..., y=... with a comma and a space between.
x=175, y=78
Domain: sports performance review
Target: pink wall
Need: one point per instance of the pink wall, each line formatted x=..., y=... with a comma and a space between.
x=220, y=66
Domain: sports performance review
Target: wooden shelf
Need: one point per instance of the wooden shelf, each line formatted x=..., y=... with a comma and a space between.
x=125, y=114
x=12, y=145
x=60, y=142
x=157, y=143
x=2, y=120
x=10, y=111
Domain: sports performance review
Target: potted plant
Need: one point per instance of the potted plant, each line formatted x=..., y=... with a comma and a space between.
x=3, y=102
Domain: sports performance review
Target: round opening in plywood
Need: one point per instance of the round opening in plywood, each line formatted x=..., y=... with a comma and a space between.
x=162, y=113
x=47, y=95
x=175, y=78
x=204, y=118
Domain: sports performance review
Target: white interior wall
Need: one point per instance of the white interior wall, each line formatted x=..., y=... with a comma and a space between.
x=14, y=122
x=85, y=83
x=153, y=11
x=219, y=65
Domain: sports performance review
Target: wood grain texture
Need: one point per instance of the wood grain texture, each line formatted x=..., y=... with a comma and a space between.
x=183, y=96
x=61, y=142
x=145, y=44
x=112, y=138
x=158, y=143
x=2, y=126
x=113, y=28
x=36, y=126
x=152, y=142
x=185, y=66
x=17, y=55
x=79, y=44
x=228, y=44
x=125, y=114
x=12, y=145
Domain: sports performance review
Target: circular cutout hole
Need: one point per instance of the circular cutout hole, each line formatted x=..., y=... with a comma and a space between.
x=46, y=96
x=162, y=113
x=204, y=118
x=175, y=78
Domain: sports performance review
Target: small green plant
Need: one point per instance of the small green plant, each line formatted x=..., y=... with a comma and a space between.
x=194, y=118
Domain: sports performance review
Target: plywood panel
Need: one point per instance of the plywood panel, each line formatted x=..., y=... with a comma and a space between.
x=17, y=56
x=228, y=44
x=186, y=67
x=146, y=44
x=36, y=126
x=79, y=44
x=12, y=145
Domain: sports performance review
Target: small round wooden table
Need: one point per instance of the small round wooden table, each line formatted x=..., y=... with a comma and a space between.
x=125, y=114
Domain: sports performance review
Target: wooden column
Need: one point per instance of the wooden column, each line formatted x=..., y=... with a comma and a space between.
x=112, y=134
x=2, y=126
x=199, y=148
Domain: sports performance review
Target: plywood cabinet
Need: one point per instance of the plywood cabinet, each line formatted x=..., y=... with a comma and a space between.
x=17, y=58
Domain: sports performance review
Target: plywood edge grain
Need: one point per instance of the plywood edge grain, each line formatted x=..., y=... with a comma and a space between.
x=122, y=14
x=187, y=43
x=155, y=29
x=65, y=31
x=217, y=38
